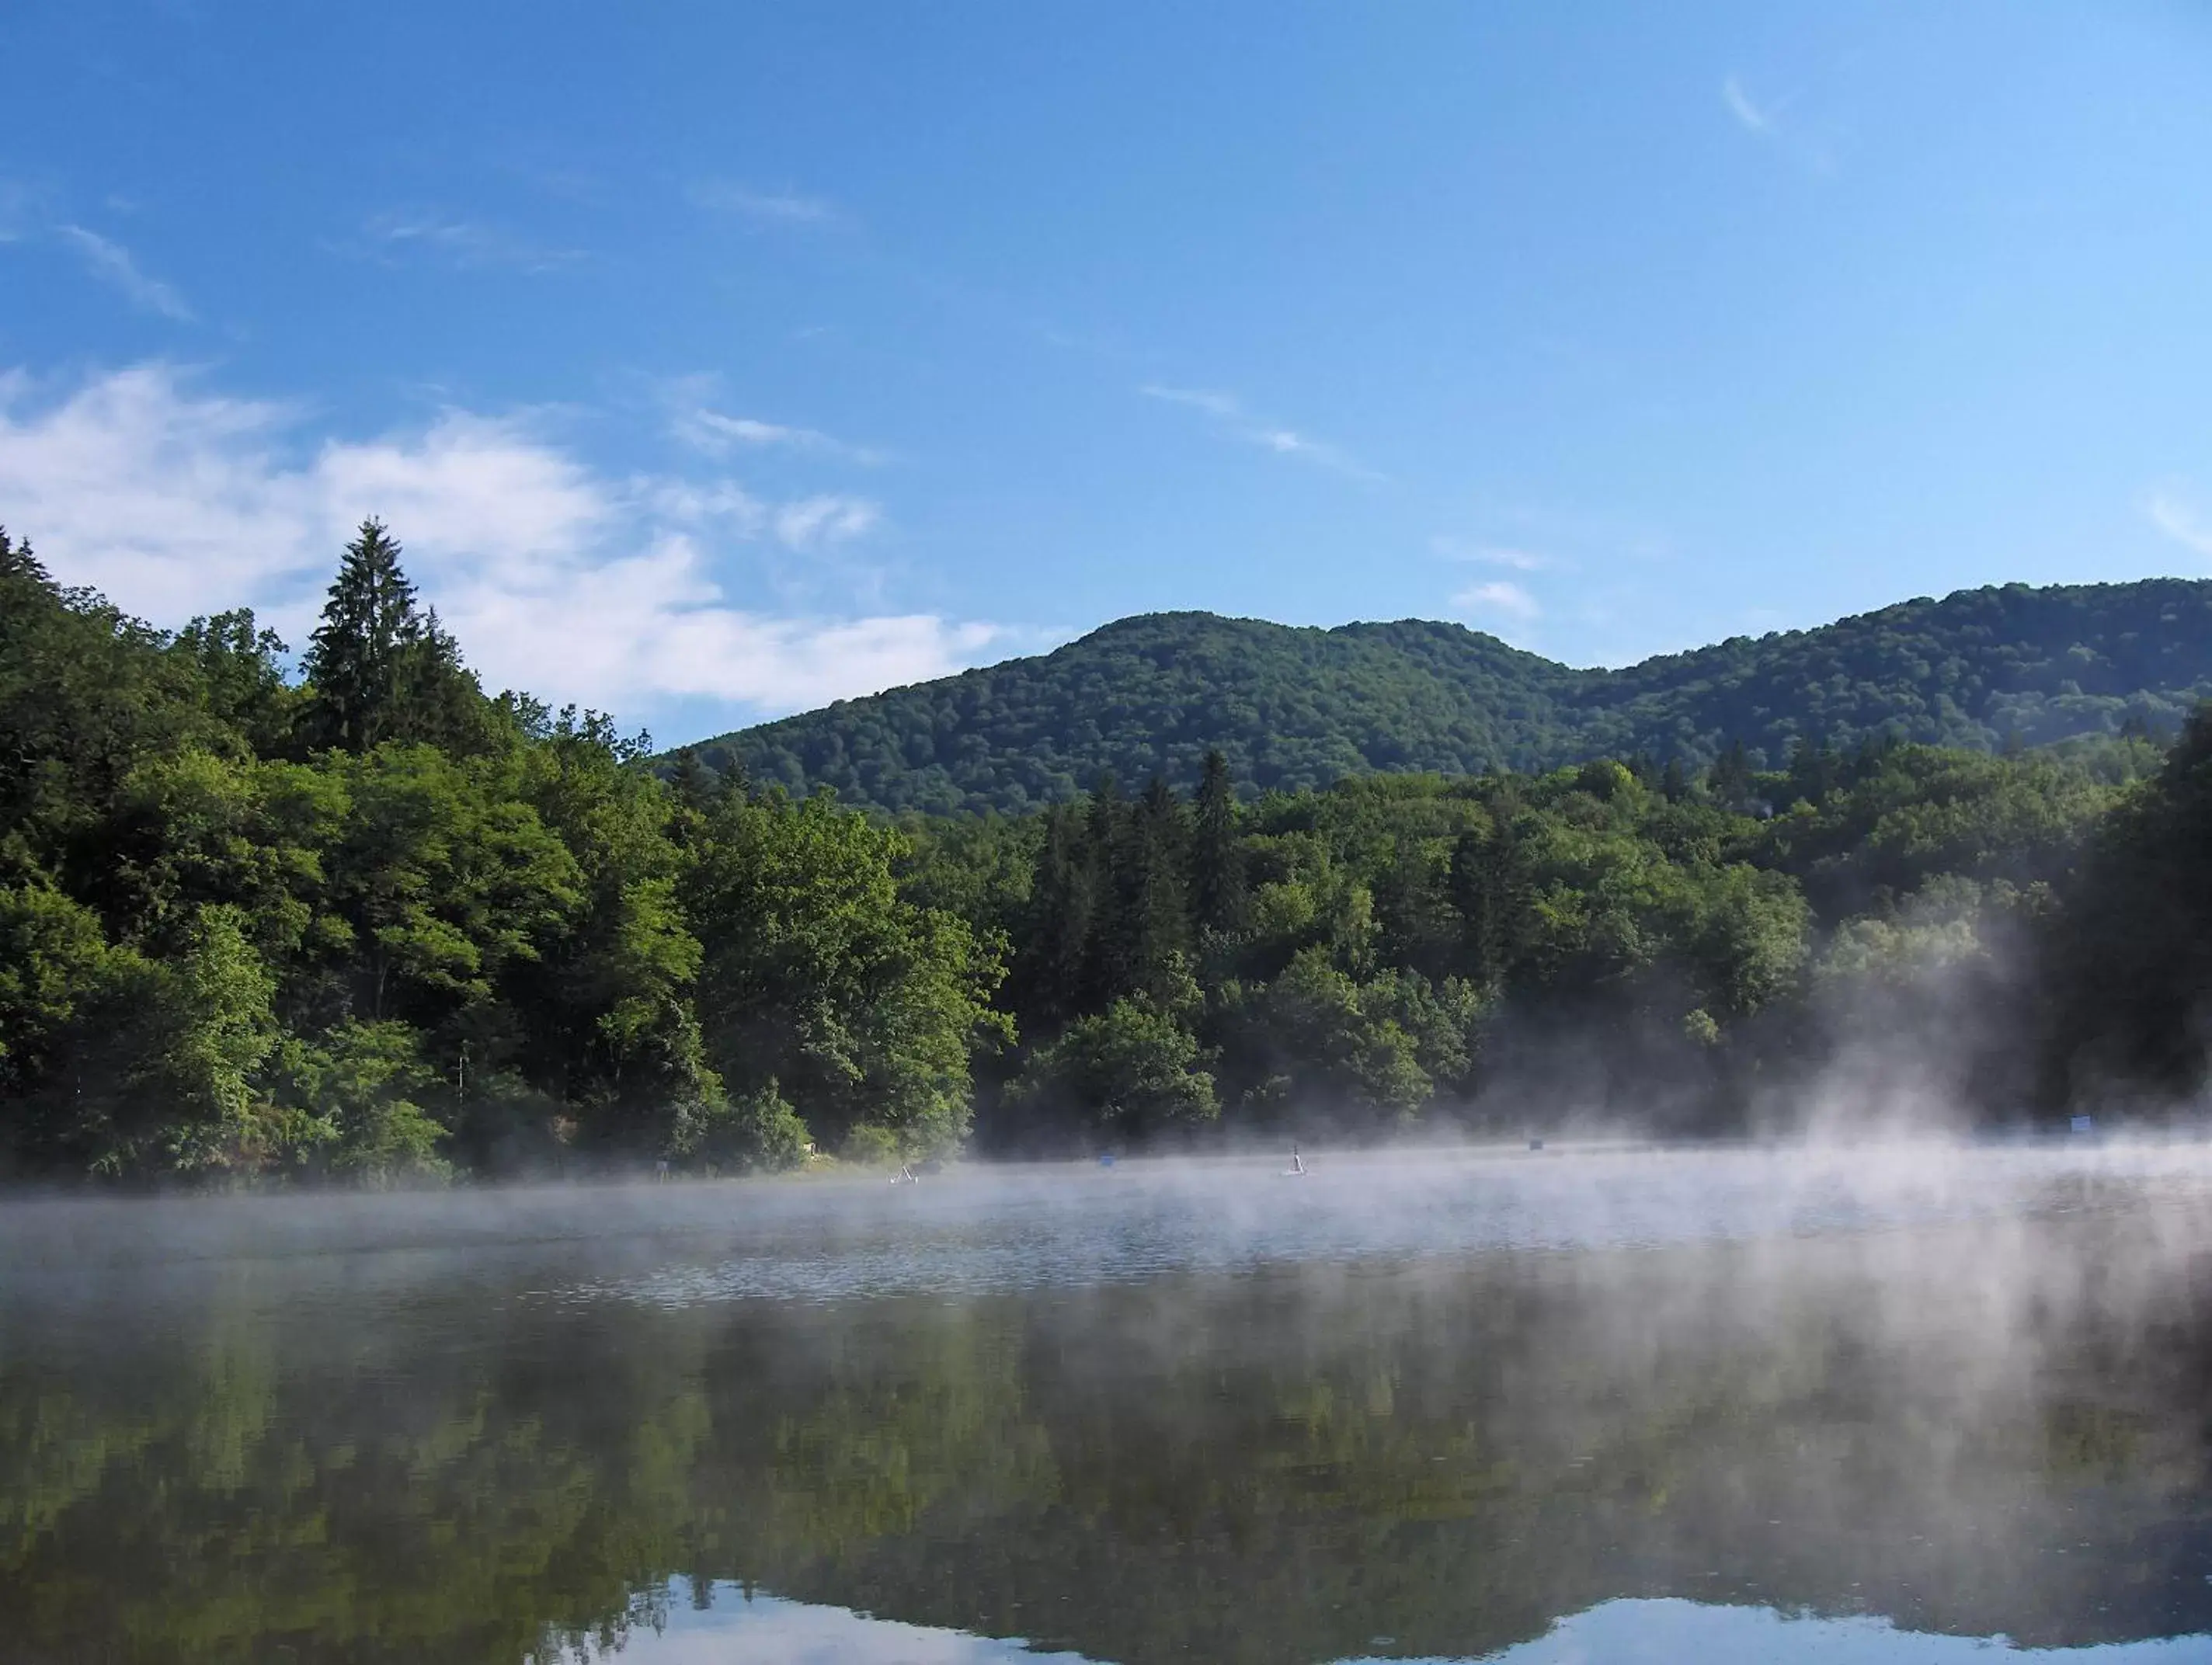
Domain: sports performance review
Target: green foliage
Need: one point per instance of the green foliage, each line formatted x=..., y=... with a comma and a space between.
x=819, y=976
x=756, y=1131
x=1892, y=818
x=443, y=878
x=378, y=926
x=53, y=958
x=1326, y=1036
x=1292, y=709
x=2128, y=989
x=378, y=669
x=359, y=1095
x=375, y=927
x=1132, y=1071
x=158, y=1067
x=241, y=667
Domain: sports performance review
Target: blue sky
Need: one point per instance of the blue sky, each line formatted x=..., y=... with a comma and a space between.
x=714, y=361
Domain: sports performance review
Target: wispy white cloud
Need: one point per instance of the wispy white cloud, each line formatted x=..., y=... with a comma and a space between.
x=695, y=503
x=1499, y=596
x=711, y=431
x=1490, y=554
x=787, y=208
x=465, y=242
x=814, y=522
x=749, y=430
x=2180, y=521
x=555, y=577
x=1230, y=415
x=1224, y=406
x=1748, y=113
x=1805, y=139
x=113, y=265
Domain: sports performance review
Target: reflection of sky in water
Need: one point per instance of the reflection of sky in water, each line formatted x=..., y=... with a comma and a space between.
x=766, y=1631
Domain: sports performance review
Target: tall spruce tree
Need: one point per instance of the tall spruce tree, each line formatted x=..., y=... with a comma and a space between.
x=357, y=660
x=1413, y=907
x=1109, y=964
x=16, y=560
x=1217, y=858
x=1156, y=887
x=697, y=787
x=380, y=669
x=1062, y=916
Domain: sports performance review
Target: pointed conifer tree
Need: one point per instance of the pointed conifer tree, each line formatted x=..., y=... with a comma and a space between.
x=355, y=660
x=1729, y=781
x=377, y=669
x=16, y=560
x=1156, y=887
x=1216, y=859
x=1109, y=955
x=696, y=787
x=1062, y=918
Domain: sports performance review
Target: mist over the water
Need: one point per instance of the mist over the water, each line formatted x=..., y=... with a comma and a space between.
x=1448, y=1399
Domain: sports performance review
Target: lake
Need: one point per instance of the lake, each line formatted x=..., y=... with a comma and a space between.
x=1902, y=1404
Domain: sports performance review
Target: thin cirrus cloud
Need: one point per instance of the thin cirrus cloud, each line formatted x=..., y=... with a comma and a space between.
x=1499, y=596
x=819, y=522
x=772, y=208
x=113, y=265
x=556, y=578
x=1490, y=554
x=1229, y=414
x=711, y=431
x=1748, y=114
x=1812, y=143
x=2181, y=522
x=466, y=243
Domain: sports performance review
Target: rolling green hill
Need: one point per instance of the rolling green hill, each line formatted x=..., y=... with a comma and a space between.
x=1294, y=708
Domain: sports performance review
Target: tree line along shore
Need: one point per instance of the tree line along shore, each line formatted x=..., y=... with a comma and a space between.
x=363, y=922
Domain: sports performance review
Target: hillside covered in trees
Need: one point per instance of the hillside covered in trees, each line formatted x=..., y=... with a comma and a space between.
x=376, y=923
x=1295, y=709
x=365, y=922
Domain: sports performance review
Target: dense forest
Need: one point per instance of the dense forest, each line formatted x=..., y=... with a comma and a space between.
x=364, y=921
x=1299, y=708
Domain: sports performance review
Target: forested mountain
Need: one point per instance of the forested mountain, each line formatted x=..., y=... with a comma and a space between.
x=369, y=922
x=1293, y=708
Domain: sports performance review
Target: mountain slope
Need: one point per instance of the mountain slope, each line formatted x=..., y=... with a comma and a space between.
x=1295, y=707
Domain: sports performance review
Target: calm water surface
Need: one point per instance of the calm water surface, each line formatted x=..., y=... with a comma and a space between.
x=1541, y=1407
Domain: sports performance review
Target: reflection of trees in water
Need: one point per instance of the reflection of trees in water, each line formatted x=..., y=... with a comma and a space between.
x=1273, y=1467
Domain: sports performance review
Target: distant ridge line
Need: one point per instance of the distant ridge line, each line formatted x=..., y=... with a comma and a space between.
x=1303, y=706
